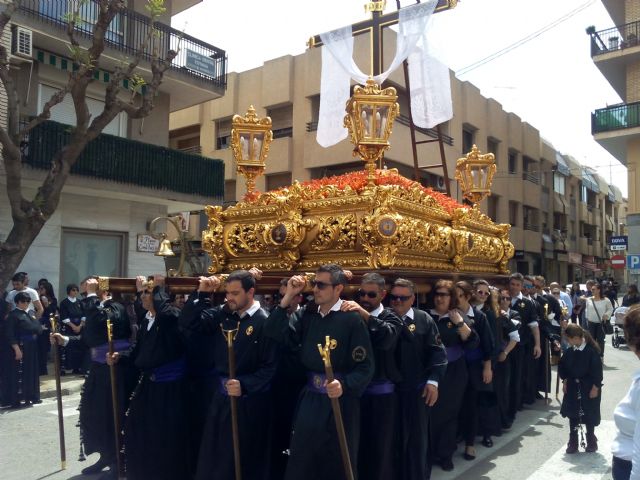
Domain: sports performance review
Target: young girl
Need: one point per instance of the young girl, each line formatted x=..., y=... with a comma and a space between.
x=581, y=371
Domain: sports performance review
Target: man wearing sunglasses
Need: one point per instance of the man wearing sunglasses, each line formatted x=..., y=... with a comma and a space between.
x=422, y=361
x=379, y=401
x=315, y=451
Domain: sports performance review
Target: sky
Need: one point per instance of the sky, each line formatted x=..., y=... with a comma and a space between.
x=550, y=81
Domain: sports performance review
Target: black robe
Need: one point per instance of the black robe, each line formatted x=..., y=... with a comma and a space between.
x=421, y=357
x=582, y=369
x=501, y=374
x=444, y=414
x=75, y=354
x=156, y=437
x=477, y=391
x=23, y=379
x=523, y=373
x=548, y=332
x=315, y=451
x=96, y=407
x=202, y=378
x=255, y=356
x=378, y=405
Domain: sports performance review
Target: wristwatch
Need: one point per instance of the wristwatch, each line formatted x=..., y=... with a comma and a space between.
x=460, y=324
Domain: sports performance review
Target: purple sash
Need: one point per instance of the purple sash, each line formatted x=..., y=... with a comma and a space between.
x=454, y=353
x=169, y=372
x=28, y=337
x=473, y=355
x=99, y=353
x=381, y=387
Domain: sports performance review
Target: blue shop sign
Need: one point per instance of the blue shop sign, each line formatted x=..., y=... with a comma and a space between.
x=200, y=63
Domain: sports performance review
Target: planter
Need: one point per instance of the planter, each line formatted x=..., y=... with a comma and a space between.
x=613, y=43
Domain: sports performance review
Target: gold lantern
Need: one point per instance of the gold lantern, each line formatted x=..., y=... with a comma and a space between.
x=370, y=115
x=250, y=140
x=474, y=173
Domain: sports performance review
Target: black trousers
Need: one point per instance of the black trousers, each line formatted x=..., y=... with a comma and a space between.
x=378, y=445
x=597, y=332
x=413, y=434
x=621, y=469
x=502, y=388
x=529, y=379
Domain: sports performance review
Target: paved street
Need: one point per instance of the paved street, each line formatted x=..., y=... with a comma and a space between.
x=532, y=450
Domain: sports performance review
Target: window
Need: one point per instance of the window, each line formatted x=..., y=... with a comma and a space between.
x=467, y=139
x=278, y=180
x=281, y=121
x=492, y=207
x=229, y=192
x=584, y=195
x=513, y=162
x=223, y=133
x=65, y=111
x=513, y=213
x=530, y=218
x=492, y=147
x=91, y=252
x=559, y=183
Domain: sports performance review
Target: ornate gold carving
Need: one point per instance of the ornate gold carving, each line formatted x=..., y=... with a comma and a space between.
x=339, y=233
x=103, y=284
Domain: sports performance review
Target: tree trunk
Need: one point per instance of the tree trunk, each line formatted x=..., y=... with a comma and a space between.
x=22, y=235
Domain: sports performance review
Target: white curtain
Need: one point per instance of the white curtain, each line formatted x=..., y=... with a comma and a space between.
x=429, y=78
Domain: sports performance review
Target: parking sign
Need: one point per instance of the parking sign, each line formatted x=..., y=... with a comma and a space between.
x=633, y=262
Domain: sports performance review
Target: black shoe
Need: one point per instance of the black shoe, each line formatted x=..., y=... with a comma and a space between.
x=111, y=474
x=446, y=464
x=539, y=396
x=507, y=425
x=96, y=467
x=487, y=442
x=35, y=402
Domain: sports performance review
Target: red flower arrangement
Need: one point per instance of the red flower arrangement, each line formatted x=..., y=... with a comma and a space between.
x=358, y=181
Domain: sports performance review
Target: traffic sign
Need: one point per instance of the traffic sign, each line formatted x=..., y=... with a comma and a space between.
x=618, y=261
x=633, y=262
x=619, y=242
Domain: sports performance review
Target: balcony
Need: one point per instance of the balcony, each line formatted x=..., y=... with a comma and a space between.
x=129, y=162
x=612, y=127
x=613, y=49
x=198, y=73
x=531, y=177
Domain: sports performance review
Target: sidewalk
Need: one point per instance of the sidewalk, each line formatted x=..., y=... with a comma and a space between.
x=70, y=384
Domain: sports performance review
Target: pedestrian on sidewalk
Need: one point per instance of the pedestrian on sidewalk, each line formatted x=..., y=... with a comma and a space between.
x=626, y=443
x=598, y=309
x=580, y=369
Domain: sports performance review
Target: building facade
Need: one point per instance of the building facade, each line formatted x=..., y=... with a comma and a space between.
x=128, y=175
x=616, y=53
x=556, y=230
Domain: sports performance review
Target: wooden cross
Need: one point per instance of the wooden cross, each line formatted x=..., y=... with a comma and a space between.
x=374, y=27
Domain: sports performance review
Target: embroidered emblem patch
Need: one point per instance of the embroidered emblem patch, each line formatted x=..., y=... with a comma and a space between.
x=249, y=330
x=438, y=339
x=521, y=304
x=359, y=354
x=317, y=381
x=412, y=327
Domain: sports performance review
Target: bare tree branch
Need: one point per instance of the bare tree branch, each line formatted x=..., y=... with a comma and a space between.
x=56, y=98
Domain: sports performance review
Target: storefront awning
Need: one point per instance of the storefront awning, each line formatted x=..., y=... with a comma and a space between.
x=589, y=182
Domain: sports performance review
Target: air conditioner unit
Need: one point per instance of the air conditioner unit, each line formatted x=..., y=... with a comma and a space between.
x=22, y=42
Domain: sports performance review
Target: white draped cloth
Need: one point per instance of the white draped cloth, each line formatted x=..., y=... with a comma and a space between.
x=428, y=77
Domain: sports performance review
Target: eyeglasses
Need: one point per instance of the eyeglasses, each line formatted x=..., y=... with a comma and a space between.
x=321, y=285
x=442, y=294
x=505, y=299
x=362, y=293
x=481, y=292
x=399, y=298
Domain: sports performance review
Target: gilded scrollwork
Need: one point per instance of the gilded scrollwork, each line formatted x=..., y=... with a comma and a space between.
x=212, y=238
x=336, y=233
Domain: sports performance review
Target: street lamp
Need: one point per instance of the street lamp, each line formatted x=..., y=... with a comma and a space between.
x=250, y=140
x=165, y=250
x=474, y=173
x=370, y=115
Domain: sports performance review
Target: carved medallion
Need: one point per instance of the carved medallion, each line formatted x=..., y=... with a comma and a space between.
x=387, y=226
x=279, y=234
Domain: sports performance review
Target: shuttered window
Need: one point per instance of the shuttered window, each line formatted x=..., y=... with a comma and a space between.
x=65, y=112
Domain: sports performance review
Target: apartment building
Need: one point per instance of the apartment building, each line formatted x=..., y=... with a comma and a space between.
x=616, y=53
x=536, y=188
x=128, y=175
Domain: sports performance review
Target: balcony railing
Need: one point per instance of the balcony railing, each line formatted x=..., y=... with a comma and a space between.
x=531, y=177
x=616, y=117
x=195, y=150
x=531, y=227
x=128, y=161
x=127, y=33
x=616, y=38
